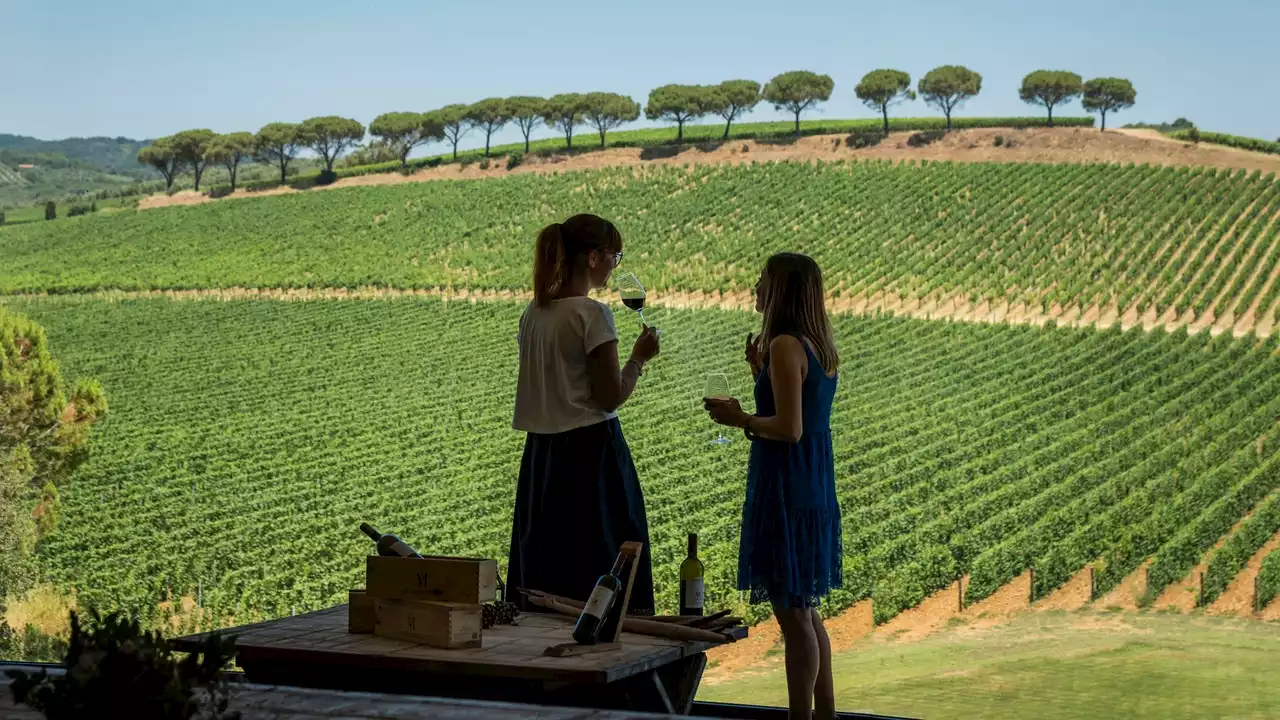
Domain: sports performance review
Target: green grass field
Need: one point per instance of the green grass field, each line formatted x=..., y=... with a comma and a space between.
x=1051, y=666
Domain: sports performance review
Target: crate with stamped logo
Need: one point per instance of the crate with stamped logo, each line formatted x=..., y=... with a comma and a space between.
x=437, y=624
x=434, y=578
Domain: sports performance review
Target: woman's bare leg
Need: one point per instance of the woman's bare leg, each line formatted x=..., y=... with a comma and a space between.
x=802, y=659
x=824, y=694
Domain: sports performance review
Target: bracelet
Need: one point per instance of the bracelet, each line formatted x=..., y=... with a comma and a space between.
x=639, y=367
x=746, y=429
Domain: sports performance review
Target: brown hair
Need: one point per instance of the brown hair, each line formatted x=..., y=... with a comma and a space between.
x=795, y=304
x=560, y=245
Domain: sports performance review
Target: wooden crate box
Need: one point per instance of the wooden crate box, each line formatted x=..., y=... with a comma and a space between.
x=438, y=579
x=440, y=625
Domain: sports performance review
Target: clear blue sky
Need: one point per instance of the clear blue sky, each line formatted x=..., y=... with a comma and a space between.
x=143, y=68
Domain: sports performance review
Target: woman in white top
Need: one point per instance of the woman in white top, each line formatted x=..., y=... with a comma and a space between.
x=578, y=498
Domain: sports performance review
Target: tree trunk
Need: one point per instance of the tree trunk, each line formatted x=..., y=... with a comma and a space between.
x=797, y=124
x=679, y=132
x=233, y=169
x=284, y=166
x=455, y=148
x=488, y=134
x=727, y=123
x=1104, y=119
x=197, y=171
x=1050, y=116
x=948, y=114
x=884, y=110
x=602, y=132
x=526, y=143
x=568, y=139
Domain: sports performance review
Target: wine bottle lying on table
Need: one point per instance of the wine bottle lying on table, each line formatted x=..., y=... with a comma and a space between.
x=587, y=630
x=389, y=545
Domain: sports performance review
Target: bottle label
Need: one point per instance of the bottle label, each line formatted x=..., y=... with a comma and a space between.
x=599, y=601
x=693, y=593
x=401, y=549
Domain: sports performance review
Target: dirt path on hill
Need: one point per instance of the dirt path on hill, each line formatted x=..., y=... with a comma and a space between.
x=955, y=308
x=1034, y=145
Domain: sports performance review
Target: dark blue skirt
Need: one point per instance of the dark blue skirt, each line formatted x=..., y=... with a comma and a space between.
x=577, y=501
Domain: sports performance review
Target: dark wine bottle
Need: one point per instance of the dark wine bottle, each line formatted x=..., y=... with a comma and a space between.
x=692, y=574
x=389, y=545
x=587, y=629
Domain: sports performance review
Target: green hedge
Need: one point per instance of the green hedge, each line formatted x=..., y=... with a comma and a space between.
x=1235, y=141
x=1235, y=553
x=666, y=136
x=1269, y=579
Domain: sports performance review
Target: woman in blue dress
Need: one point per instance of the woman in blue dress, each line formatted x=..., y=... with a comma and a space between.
x=790, y=554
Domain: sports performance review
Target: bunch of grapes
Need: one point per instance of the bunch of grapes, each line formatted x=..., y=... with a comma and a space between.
x=498, y=613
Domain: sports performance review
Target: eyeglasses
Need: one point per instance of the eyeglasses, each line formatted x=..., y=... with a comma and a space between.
x=617, y=259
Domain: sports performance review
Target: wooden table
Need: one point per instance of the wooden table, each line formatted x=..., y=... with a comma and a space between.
x=315, y=650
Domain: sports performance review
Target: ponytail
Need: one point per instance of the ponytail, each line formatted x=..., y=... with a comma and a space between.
x=558, y=248
x=548, y=264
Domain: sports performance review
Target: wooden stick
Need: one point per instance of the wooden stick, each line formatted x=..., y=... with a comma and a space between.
x=703, y=621
x=723, y=623
x=635, y=625
x=698, y=621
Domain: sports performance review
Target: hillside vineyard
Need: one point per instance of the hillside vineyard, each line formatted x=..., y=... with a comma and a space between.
x=1150, y=244
x=248, y=439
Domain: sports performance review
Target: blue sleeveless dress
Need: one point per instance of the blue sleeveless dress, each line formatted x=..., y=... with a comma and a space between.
x=790, y=552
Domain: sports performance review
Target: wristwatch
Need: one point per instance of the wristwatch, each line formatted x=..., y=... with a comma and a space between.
x=746, y=429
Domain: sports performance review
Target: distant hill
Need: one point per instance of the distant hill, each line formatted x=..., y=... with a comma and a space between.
x=117, y=156
x=66, y=168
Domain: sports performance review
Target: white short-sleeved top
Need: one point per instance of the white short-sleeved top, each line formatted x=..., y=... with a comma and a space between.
x=553, y=392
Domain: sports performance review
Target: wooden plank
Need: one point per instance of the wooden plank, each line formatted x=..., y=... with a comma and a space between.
x=572, y=649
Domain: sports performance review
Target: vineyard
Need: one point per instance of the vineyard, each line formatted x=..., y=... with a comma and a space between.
x=247, y=440
x=1136, y=243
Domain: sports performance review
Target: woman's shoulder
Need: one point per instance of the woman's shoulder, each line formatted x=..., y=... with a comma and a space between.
x=787, y=343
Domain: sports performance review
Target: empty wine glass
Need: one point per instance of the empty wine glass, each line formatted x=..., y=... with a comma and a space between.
x=718, y=389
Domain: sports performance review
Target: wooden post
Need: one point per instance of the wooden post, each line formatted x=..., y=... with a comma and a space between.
x=960, y=594
x=1093, y=586
x=632, y=550
x=1200, y=591
x=1257, y=595
x=1031, y=586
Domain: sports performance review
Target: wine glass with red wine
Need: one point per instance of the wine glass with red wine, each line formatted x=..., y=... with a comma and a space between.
x=632, y=293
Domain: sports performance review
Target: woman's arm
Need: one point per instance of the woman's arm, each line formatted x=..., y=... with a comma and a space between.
x=787, y=368
x=611, y=386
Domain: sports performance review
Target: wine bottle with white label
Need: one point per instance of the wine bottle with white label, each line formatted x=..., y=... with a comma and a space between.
x=691, y=580
x=587, y=629
x=389, y=545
